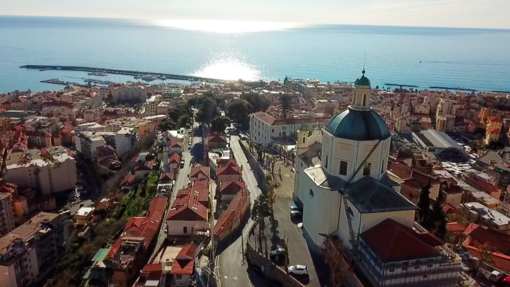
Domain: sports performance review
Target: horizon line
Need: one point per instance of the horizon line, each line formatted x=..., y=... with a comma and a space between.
x=219, y=20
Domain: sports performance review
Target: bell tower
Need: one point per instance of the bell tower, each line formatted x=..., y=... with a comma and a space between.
x=361, y=97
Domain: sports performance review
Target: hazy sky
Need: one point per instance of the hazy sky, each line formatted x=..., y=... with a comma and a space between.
x=441, y=13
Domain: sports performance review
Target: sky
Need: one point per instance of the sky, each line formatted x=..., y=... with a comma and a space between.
x=435, y=13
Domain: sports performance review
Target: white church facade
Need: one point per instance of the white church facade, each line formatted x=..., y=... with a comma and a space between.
x=342, y=187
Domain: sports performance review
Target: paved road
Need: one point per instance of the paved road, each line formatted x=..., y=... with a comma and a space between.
x=232, y=272
x=180, y=183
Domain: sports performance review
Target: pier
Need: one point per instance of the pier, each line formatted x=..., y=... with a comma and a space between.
x=125, y=72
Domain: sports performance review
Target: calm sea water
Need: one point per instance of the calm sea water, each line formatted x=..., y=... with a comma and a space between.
x=468, y=58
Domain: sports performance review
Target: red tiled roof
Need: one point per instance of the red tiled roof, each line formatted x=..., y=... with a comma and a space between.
x=485, y=186
x=174, y=158
x=232, y=187
x=167, y=176
x=470, y=227
x=217, y=137
x=265, y=117
x=401, y=170
x=455, y=227
x=152, y=267
x=183, y=263
x=150, y=225
x=497, y=240
x=494, y=119
x=129, y=179
x=493, y=130
x=133, y=224
x=188, y=208
x=235, y=211
x=400, y=242
x=195, y=170
x=448, y=209
x=229, y=170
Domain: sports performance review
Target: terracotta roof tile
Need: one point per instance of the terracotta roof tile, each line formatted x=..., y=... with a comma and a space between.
x=184, y=262
x=401, y=242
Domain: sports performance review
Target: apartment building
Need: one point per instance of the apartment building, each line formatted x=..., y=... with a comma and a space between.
x=151, y=107
x=264, y=127
x=50, y=170
x=123, y=92
x=30, y=252
x=6, y=214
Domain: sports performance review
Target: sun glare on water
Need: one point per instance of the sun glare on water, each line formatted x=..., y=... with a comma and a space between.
x=227, y=27
x=229, y=68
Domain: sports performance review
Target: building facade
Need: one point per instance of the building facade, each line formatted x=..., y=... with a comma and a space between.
x=31, y=251
x=6, y=214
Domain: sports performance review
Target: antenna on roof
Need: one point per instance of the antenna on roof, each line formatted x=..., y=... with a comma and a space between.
x=364, y=61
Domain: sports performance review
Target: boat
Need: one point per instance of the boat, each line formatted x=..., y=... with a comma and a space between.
x=148, y=78
x=98, y=73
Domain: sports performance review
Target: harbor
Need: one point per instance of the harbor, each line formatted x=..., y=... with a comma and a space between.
x=146, y=76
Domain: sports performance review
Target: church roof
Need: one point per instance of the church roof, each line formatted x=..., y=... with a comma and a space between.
x=369, y=195
x=358, y=125
x=362, y=81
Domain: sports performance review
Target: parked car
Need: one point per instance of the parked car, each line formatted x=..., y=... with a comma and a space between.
x=294, y=208
x=298, y=270
x=182, y=164
x=277, y=252
x=295, y=214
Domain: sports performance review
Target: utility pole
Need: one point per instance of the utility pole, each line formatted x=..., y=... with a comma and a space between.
x=242, y=248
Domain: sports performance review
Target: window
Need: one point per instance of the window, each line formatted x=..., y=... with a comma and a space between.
x=326, y=162
x=425, y=276
x=311, y=193
x=343, y=167
x=185, y=229
x=382, y=167
x=304, y=139
x=364, y=99
x=366, y=168
x=391, y=270
x=178, y=276
x=272, y=130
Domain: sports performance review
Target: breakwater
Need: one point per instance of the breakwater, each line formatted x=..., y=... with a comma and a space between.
x=125, y=72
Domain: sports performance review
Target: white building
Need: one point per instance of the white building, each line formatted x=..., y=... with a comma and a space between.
x=163, y=108
x=52, y=171
x=128, y=92
x=342, y=187
x=264, y=128
x=152, y=104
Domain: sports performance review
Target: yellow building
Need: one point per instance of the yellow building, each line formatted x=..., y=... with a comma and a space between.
x=485, y=113
x=492, y=129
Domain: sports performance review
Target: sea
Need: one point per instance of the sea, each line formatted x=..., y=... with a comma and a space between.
x=425, y=57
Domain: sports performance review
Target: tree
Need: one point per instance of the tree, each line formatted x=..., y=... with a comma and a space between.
x=207, y=110
x=258, y=102
x=183, y=120
x=259, y=213
x=438, y=217
x=166, y=125
x=424, y=205
x=285, y=99
x=219, y=124
x=239, y=111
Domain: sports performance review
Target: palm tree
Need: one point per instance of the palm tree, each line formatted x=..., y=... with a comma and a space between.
x=259, y=213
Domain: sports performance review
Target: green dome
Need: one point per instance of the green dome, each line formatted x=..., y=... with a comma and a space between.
x=362, y=81
x=358, y=125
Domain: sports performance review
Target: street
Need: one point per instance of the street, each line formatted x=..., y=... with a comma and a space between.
x=180, y=183
x=232, y=272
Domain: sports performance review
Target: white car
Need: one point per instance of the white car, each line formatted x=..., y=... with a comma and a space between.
x=298, y=270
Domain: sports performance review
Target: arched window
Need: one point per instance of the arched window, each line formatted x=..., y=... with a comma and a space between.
x=364, y=100
x=311, y=194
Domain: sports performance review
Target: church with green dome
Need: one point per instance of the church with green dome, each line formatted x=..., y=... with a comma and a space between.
x=343, y=188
